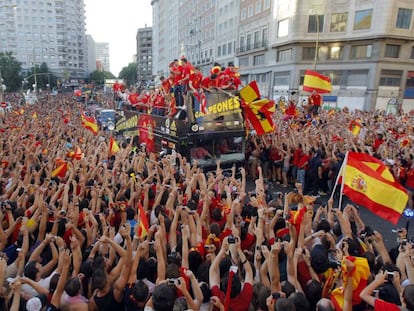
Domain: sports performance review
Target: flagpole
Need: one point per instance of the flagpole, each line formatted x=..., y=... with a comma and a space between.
x=343, y=180
x=337, y=179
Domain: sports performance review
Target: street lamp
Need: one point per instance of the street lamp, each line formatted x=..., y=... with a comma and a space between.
x=315, y=60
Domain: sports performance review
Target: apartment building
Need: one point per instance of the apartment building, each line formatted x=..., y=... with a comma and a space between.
x=102, y=56
x=144, y=54
x=49, y=31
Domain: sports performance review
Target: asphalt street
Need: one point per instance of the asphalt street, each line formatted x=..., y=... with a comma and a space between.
x=370, y=219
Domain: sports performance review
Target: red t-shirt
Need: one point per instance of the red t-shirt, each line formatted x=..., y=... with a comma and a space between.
x=315, y=99
x=239, y=303
x=195, y=79
x=381, y=305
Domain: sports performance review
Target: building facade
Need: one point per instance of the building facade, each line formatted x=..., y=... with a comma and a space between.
x=366, y=47
x=46, y=31
x=102, y=56
x=144, y=55
x=91, y=54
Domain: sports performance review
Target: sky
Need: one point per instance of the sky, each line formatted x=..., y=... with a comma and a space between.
x=117, y=23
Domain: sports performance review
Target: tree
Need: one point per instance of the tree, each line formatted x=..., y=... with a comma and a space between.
x=44, y=77
x=10, y=71
x=129, y=73
x=99, y=76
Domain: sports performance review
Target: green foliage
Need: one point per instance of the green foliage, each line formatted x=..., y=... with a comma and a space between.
x=43, y=76
x=10, y=71
x=99, y=76
x=129, y=74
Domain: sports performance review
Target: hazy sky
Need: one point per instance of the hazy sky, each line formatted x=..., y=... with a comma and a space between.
x=117, y=22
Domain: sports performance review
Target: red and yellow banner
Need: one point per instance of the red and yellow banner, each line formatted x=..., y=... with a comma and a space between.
x=314, y=81
x=368, y=182
x=113, y=146
x=89, y=123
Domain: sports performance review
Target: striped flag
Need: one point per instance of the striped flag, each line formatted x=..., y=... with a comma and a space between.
x=143, y=222
x=355, y=127
x=89, y=123
x=314, y=81
x=61, y=170
x=359, y=279
x=368, y=182
x=257, y=111
x=113, y=146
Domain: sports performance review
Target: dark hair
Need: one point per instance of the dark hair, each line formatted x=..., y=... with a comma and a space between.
x=140, y=291
x=262, y=295
x=288, y=288
x=30, y=271
x=409, y=298
x=313, y=292
x=324, y=225
x=300, y=301
x=72, y=286
x=205, y=289
x=99, y=279
x=163, y=297
x=235, y=285
x=284, y=304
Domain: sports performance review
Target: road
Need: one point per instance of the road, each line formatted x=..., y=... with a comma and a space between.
x=370, y=219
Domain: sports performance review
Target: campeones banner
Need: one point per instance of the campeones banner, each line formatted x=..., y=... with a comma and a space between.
x=220, y=106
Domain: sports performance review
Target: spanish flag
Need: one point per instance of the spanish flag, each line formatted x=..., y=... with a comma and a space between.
x=34, y=115
x=89, y=123
x=368, y=182
x=61, y=170
x=257, y=111
x=355, y=127
x=314, y=81
x=143, y=222
x=359, y=278
x=113, y=146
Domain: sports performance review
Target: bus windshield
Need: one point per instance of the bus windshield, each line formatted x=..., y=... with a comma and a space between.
x=220, y=148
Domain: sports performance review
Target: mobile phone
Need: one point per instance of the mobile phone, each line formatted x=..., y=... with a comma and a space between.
x=276, y=295
x=259, y=248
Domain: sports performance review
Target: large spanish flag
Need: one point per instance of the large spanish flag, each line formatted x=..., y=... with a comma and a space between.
x=257, y=111
x=359, y=278
x=368, y=182
x=89, y=123
x=314, y=81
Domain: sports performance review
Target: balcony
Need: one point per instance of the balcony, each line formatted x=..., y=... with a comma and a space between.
x=257, y=46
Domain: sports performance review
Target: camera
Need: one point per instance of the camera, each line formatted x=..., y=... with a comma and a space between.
x=367, y=232
x=173, y=282
x=390, y=276
x=231, y=239
x=259, y=248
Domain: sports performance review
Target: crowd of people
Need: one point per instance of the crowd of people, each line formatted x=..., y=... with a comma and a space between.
x=133, y=231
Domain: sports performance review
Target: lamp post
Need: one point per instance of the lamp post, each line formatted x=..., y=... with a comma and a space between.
x=315, y=60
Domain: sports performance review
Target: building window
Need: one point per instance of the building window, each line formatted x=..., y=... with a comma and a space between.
x=390, y=78
x=241, y=44
x=404, y=18
x=258, y=60
x=265, y=33
x=361, y=51
x=338, y=22
x=283, y=28
x=250, y=10
x=308, y=53
x=243, y=62
x=412, y=52
x=315, y=24
x=219, y=51
x=229, y=48
x=363, y=19
x=266, y=4
x=258, y=6
x=256, y=39
x=224, y=49
x=243, y=14
x=248, y=41
x=392, y=51
x=335, y=52
x=284, y=55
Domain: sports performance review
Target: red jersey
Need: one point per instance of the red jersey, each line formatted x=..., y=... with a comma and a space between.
x=196, y=78
x=315, y=99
